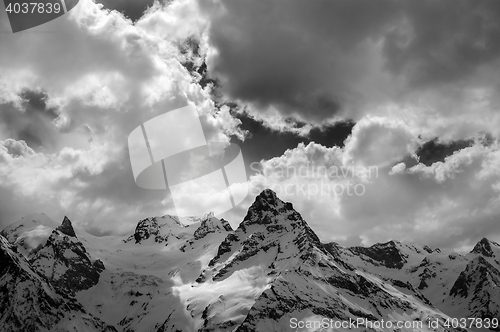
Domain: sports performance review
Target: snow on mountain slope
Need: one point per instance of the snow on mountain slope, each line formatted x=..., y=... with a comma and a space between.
x=458, y=285
x=204, y=276
x=136, y=291
x=29, y=303
x=210, y=224
x=29, y=232
x=393, y=254
x=490, y=250
x=274, y=268
x=477, y=289
x=160, y=230
x=65, y=262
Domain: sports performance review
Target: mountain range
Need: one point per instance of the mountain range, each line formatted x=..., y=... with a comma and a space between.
x=272, y=273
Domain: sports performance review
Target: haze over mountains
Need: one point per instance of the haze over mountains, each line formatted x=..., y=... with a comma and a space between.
x=208, y=277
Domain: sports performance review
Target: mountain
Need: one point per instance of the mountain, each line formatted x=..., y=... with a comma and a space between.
x=64, y=260
x=29, y=232
x=210, y=224
x=393, y=254
x=274, y=251
x=478, y=288
x=459, y=285
x=270, y=271
x=159, y=230
x=28, y=302
x=487, y=248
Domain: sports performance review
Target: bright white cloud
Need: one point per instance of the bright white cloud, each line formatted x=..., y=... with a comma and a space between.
x=450, y=203
x=364, y=146
x=103, y=76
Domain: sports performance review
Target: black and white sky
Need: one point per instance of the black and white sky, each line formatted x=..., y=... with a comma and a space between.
x=409, y=88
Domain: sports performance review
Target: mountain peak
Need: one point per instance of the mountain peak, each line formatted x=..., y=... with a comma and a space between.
x=484, y=247
x=66, y=227
x=391, y=243
x=388, y=254
x=171, y=220
x=430, y=250
x=478, y=274
x=211, y=224
x=268, y=196
x=159, y=229
x=37, y=305
x=267, y=204
x=266, y=208
x=226, y=225
x=208, y=215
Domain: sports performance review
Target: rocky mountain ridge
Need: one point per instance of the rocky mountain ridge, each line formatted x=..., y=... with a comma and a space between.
x=459, y=285
x=29, y=302
x=206, y=276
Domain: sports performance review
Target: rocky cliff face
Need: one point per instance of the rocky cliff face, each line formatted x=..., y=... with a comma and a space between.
x=159, y=230
x=386, y=254
x=478, y=287
x=210, y=224
x=66, y=228
x=460, y=285
x=65, y=261
x=486, y=248
x=28, y=301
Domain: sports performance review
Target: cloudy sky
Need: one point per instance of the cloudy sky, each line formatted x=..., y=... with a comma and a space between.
x=400, y=97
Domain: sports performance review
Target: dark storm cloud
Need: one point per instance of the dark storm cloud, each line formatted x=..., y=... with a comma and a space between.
x=276, y=142
x=132, y=9
x=33, y=124
x=290, y=53
x=434, y=151
x=318, y=58
x=443, y=41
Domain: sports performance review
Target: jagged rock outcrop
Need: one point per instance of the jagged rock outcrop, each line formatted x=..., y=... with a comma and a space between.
x=28, y=302
x=147, y=228
x=479, y=284
x=486, y=248
x=464, y=285
x=65, y=261
x=210, y=224
x=66, y=227
x=387, y=254
x=159, y=230
x=209, y=228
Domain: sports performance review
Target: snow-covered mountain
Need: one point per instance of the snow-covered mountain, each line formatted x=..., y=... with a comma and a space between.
x=29, y=302
x=462, y=286
x=64, y=260
x=267, y=275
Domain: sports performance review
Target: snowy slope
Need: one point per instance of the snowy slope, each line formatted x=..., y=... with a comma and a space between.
x=275, y=253
x=161, y=230
x=28, y=302
x=137, y=290
x=477, y=289
x=64, y=260
x=204, y=276
x=29, y=232
x=461, y=286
